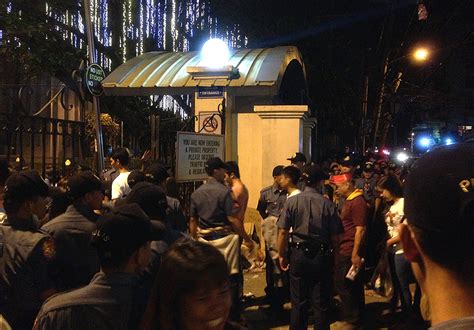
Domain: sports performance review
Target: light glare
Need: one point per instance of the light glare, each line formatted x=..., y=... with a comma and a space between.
x=402, y=157
x=421, y=54
x=425, y=142
x=449, y=141
x=215, y=53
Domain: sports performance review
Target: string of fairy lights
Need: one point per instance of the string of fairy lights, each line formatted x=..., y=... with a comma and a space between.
x=165, y=24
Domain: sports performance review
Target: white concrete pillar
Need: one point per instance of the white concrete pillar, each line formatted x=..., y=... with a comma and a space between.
x=266, y=138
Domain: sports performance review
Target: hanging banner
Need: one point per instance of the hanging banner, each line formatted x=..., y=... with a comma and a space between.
x=192, y=152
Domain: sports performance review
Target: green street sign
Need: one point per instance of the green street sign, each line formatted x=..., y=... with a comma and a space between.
x=94, y=76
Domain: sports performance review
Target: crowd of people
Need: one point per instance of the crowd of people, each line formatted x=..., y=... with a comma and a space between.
x=118, y=251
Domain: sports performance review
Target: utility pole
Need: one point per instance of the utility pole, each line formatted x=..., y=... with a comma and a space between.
x=378, y=110
x=96, y=104
x=365, y=102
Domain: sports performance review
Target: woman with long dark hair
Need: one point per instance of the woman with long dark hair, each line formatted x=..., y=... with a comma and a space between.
x=402, y=276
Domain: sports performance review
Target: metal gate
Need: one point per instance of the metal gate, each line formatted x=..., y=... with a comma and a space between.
x=38, y=142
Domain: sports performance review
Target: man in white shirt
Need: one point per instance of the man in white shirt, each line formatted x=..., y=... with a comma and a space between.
x=119, y=160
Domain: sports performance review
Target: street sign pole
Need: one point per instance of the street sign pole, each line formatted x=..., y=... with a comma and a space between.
x=96, y=104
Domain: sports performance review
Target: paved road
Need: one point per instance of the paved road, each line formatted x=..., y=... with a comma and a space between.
x=257, y=316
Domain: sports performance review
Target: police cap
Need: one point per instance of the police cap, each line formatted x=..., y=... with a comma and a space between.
x=150, y=198
x=297, y=157
x=368, y=167
x=84, y=182
x=25, y=185
x=124, y=230
x=313, y=174
x=156, y=173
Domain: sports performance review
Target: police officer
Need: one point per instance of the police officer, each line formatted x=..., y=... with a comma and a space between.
x=122, y=239
x=298, y=160
x=175, y=218
x=213, y=221
x=368, y=183
x=315, y=228
x=269, y=206
x=152, y=200
x=25, y=251
x=77, y=261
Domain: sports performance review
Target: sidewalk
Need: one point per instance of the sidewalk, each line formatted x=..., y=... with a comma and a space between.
x=257, y=316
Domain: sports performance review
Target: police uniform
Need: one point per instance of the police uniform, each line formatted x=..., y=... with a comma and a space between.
x=212, y=203
x=112, y=300
x=368, y=187
x=175, y=217
x=269, y=206
x=313, y=220
x=25, y=254
x=77, y=261
x=106, y=303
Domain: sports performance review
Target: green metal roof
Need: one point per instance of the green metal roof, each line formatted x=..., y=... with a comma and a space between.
x=261, y=71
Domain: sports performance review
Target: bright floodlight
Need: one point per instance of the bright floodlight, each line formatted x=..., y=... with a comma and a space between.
x=421, y=54
x=449, y=141
x=424, y=142
x=215, y=53
x=402, y=157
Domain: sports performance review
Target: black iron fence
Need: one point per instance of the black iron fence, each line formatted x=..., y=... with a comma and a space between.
x=39, y=143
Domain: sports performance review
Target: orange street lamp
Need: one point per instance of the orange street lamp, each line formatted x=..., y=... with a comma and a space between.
x=421, y=54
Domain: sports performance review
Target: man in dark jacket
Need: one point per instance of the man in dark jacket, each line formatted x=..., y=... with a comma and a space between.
x=25, y=251
x=77, y=261
x=122, y=240
x=175, y=218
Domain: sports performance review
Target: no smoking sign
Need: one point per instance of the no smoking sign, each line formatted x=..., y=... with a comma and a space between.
x=210, y=123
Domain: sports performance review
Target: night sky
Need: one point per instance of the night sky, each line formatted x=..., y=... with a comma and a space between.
x=342, y=41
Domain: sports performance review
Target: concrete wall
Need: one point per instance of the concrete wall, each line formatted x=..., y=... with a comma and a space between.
x=260, y=137
x=266, y=138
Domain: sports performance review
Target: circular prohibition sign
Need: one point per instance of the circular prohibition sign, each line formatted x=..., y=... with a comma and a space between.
x=210, y=124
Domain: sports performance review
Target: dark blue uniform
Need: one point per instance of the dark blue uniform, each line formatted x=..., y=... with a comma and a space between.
x=269, y=206
x=175, y=217
x=106, y=303
x=25, y=254
x=368, y=186
x=77, y=260
x=314, y=220
x=212, y=203
x=271, y=201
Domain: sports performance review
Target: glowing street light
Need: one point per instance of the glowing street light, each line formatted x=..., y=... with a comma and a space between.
x=402, y=157
x=215, y=53
x=214, y=62
x=421, y=54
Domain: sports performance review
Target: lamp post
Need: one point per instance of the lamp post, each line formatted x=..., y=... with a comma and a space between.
x=96, y=104
x=421, y=55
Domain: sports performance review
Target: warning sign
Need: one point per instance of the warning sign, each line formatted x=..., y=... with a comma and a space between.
x=210, y=123
x=193, y=150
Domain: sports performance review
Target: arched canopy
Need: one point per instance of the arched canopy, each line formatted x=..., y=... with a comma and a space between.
x=165, y=73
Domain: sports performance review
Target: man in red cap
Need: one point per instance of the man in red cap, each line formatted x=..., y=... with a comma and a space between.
x=354, y=218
